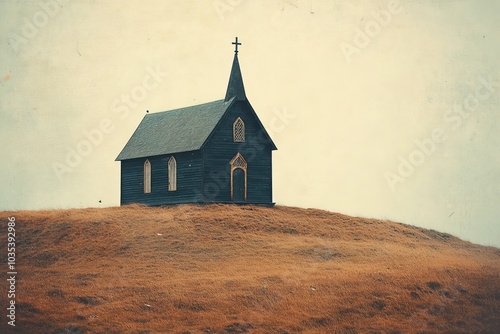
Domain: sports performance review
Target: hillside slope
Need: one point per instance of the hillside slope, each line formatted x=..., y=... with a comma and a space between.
x=243, y=269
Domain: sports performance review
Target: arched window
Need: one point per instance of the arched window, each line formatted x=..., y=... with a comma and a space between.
x=172, y=174
x=147, y=177
x=238, y=130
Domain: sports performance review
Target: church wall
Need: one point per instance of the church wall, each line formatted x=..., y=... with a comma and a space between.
x=189, y=167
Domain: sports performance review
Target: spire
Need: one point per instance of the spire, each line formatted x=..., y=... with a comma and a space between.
x=235, y=86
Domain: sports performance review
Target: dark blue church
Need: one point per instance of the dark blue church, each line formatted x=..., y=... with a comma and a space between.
x=214, y=152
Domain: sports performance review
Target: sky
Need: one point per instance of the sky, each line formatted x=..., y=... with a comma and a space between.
x=381, y=109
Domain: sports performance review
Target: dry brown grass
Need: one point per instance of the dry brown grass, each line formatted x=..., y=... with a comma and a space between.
x=243, y=269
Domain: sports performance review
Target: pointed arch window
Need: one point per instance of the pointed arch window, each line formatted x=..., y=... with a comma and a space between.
x=238, y=130
x=172, y=174
x=147, y=177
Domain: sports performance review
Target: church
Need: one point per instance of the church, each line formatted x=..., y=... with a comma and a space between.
x=216, y=152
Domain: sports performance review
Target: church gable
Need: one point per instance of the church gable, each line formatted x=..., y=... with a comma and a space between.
x=239, y=127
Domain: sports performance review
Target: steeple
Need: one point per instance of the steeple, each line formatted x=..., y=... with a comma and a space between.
x=235, y=86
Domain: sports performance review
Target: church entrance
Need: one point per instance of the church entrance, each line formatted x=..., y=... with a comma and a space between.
x=238, y=178
x=239, y=185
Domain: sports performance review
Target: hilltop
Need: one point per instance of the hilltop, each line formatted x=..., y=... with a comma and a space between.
x=244, y=269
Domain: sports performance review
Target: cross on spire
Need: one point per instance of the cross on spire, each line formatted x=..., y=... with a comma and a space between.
x=236, y=43
x=235, y=86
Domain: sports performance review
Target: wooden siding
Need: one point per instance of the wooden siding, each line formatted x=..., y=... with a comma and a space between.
x=189, y=171
x=220, y=149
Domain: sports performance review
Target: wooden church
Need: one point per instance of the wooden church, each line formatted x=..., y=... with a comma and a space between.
x=213, y=152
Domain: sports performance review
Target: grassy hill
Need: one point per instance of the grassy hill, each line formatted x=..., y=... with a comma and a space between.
x=243, y=269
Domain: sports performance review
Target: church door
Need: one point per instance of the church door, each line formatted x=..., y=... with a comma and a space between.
x=238, y=178
x=238, y=185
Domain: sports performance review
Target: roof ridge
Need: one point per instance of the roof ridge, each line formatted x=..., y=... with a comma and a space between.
x=182, y=108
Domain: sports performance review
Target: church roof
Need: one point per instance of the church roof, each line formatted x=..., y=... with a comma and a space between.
x=185, y=129
x=179, y=130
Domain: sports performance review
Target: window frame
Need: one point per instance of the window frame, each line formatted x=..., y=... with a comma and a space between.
x=239, y=136
x=172, y=174
x=147, y=177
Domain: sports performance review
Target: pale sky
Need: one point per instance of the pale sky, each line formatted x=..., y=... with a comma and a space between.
x=357, y=95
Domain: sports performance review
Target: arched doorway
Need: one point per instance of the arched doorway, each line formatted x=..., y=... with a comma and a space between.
x=238, y=185
x=238, y=178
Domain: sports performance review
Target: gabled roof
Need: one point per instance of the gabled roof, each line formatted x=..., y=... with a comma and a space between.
x=179, y=130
